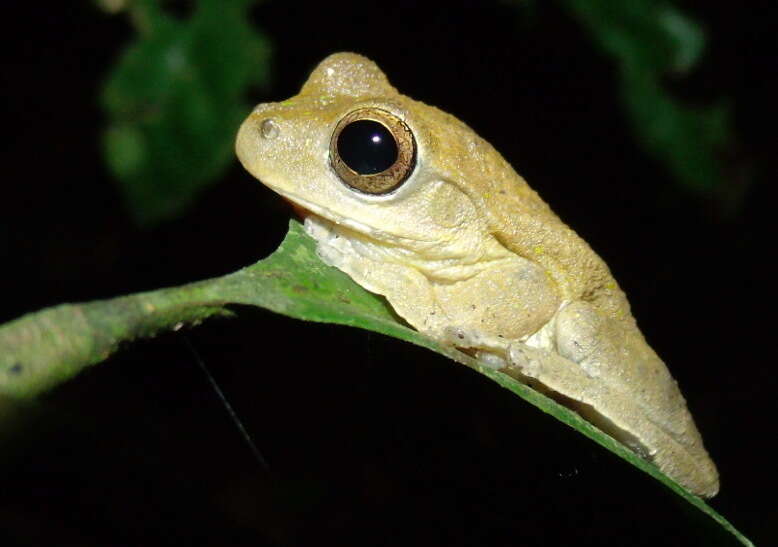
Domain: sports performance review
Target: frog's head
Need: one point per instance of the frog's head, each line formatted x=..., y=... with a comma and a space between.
x=351, y=149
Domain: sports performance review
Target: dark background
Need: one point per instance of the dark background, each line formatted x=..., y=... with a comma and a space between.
x=370, y=441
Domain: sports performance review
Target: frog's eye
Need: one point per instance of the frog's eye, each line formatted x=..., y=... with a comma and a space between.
x=372, y=151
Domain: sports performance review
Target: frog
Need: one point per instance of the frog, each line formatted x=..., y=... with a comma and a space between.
x=414, y=206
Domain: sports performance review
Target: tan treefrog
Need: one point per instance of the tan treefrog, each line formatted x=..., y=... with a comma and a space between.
x=413, y=205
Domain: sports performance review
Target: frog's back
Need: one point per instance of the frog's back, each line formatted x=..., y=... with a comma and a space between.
x=518, y=218
x=636, y=399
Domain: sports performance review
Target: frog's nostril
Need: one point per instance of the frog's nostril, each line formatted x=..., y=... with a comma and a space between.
x=268, y=129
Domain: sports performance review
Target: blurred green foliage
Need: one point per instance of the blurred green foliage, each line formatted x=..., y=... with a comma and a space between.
x=651, y=40
x=175, y=98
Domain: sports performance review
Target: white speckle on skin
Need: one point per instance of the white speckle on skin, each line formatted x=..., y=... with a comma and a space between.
x=527, y=364
x=591, y=369
x=490, y=360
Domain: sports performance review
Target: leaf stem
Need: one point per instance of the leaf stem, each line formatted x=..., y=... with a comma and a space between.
x=42, y=349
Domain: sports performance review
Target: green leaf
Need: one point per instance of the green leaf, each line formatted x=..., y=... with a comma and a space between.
x=650, y=40
x=43, y=349
x=174, y=99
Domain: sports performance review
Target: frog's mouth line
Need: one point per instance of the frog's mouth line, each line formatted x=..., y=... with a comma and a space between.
x=304, y=208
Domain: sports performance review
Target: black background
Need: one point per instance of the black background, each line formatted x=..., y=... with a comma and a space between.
x=370, y=441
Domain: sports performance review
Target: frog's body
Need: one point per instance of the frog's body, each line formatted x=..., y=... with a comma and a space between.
x=466, y=252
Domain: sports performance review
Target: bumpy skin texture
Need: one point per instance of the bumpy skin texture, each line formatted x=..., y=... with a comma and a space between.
x=466, y=252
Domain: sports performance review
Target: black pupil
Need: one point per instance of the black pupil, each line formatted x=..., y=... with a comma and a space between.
x=367, y=147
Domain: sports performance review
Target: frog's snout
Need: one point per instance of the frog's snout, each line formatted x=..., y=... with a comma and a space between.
x=253, y=138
